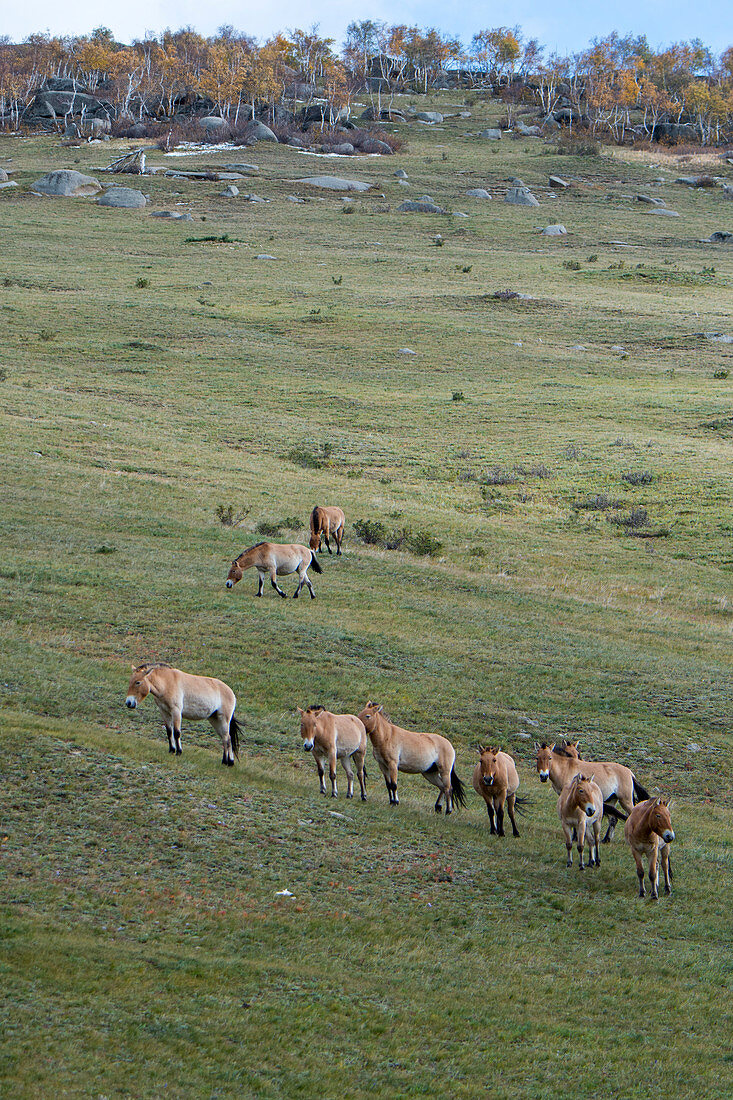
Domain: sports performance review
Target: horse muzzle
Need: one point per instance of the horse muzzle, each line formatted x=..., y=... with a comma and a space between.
x=489, y=780
x=130, y=702
x=669, y=836
x=307, y=746
x=230, y=584
x=544, y=776
x=589, y=811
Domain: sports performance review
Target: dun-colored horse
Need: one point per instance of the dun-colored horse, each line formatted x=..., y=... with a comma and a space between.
x=617, y=782
x=580, y=805
x=495, y=778
x=331, y=737
x=324, y=523
x=181, y=695
x=649, y=832
x=276, y=560
x=400, y=750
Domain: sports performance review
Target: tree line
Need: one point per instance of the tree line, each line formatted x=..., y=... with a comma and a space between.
x=618, y=86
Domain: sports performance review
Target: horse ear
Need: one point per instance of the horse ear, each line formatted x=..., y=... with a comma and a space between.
x=299, y=710
x=593, y=778
x=380, y=709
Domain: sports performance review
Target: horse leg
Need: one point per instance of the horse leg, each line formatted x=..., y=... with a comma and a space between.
x=438, y=800
x=500, y=819
x=300, y=585
x=260, y=583
x=171, y=743
x=581, y=842
x=595, y=851
x=176, y=720
x=308, y=584
x=654, y=874
x=221, y=726
x=666, y=869
x=275, y=585
x=568, y=843
x=510, y=808
x=321, y=774
x=391, y=780
x=490, y=811
x=612, y=800
x=346, y=762
x=332, y=773
x=339, y=535
x=361, y=773
x=639, y=872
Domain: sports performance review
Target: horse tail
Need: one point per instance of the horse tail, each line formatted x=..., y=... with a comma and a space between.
x=314, y=520
x=521, y=803
x=234, y=731
x=640, y=795
x=457, y=787
x=611, y=811
x=315, y=563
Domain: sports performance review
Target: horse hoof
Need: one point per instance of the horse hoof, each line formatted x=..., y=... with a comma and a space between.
x=438, y=809
x=295, y=595
x=171, y=750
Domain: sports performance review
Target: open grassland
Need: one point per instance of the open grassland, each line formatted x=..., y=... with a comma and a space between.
x=148, y=380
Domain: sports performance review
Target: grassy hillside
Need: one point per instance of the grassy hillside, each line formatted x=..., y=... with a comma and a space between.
x=151, y=379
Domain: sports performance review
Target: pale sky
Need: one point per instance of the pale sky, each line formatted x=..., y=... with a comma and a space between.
x=562, y=25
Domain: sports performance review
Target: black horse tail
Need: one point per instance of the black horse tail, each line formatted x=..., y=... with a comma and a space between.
x=521, y=803
x=458, y=788
x=315, y=563
x=234, y=730
x=611, y=811
x=314, y=519
x=640, y=795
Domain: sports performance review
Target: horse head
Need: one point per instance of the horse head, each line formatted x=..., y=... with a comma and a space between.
x=582, y=793
x=488, y=763
x=235, y=573
x=660, y=819
x=138, y=687
x=369, y=716
x=544, y=759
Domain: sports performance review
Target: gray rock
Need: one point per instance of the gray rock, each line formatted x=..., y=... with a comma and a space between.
x=521, y=196
x=265, y=256
x=718, y=337
x=558, y=183
x=401, y=174
x=71, y=130
x=663, y=213
x=429, y=116
x=173, y=215
x=257, y=131
x=528, y=131
x=67, y=182
x=554, y=231
x=294, y=198
x=478, y=193
x=254, y=198
x=246, y=169
x=491, y=134
x=419, y=206
x=650, y=200
x=404, y=183
x=296, y=142
x=4, y=184
x=230, y=192
x=687, y=181
x=721, y=236
x=3, y=175
x=100, y=126
x=373, y=145
x=213, y=124
x=126, y=197
x=334, y=183
x=345, y=149
x=727, y=191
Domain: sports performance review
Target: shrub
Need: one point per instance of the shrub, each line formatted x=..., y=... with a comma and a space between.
x=458, y=395
x=720, y=374
x=638, y=477
x=577, y=145
x=292, y=523
x=499, y=476
x=599, y=502
x=637, y=517
x=540, y=471
x=269, y=530
x=227, y=517
x=371, y=531
x=308, y=458
x=422, y=543
x=573, y=450
x=142, y=283
x=571, y=265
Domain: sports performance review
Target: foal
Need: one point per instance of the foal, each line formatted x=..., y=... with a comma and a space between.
x=581, y=804
x=324, y=523
x=495, y=778
x=181, y=695
x=649, y=832
x=331, y=737
x=400, y=750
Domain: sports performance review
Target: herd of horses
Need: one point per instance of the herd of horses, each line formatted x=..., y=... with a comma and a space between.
x=587, y=790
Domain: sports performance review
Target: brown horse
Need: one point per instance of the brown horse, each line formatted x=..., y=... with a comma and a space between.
x=495, y=778
x=275, y=560
x=400, y=750
x=649, y=832
x=617, y=782
x=181, y=695
x=331, y=737
x=579, y=805
x=324, y=523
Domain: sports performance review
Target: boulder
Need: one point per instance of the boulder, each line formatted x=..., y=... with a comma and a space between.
x=125, y=197
x=71, y=130
x=345, y=149
x=212, y=124
x=650, y=200
x=687, y=181
x=721, y=236
x=4, y=184
x=528, y=131
x=99, y=126
x=554, y=231
x=250, y=197
x=387, y=114
x=247, y=169
x=230, y=192
x=478, y=193
x=420, y=206
x=663, y=212
x=520, y=196
x=67, y=182
x=48, y=103
x=3, y=175
x=429, y=116
x=727, y=191
x=401, y=174
x=296, y=142
x=334, y=183
x=558, y=183
x=491, y=134
x=257, y=131
x=173, y=215
x=373, y=145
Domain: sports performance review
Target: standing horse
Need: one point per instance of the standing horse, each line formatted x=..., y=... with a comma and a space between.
x=495, y=778
x=400, y=750
x=275, y=560
x=579, y=805
x=649, y=832
x=331, y=737
x=181, y=695
x=617, y=782
x=324, y=523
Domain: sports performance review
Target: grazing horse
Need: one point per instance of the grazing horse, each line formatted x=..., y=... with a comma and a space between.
x=181, y=695
x=495, y=778
x=579, y=805
x=275, y=560
x=649, y=832
x=331, y=737
x=617, y=782
x=324, y=523
x=399, y=750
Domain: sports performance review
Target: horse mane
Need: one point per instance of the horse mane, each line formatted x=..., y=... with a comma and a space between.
x=248, y=550
x=314, y=708
x=561, y=749
x=149, y=668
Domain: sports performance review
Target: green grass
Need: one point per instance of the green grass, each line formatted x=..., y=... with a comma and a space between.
x=144, y=949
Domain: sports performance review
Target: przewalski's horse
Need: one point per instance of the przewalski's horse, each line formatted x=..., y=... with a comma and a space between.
x=495, y=778
x=331, y=737
x=181, y=695
x=324, y=523
x=649, y=832
x=400, y=750
x=617, y=782
x=579, y=806
x=275, y=560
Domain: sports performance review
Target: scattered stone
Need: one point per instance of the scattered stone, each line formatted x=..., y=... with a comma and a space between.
x=429, y=116
x=230, y=192
x=67, y=183
x=650, y=200
x=721, y=236
x=578, y=347
x=4, y=184
x=126, y=197
x=459, y=214
x=558, y=183
x=619, y=348
x=3, y=176
x=250, y=197
x=404, y=183
x=247, y=169
x=420, y=206
x=406, y=351
x=554, y=231
x=174, y=215
x=718, y=337
x=727, y=191
x=478, y=193
x=528, y=131
x=688, y=181
x=373, y=145
x=401, y=174
x=257, y=131
x=345, y=149
x=520, y=196
x=213, y=124
x=692, y=747
x=664, y=213
x=335, y=183
x=265, y=256
x=294, y=198
x=491, y=134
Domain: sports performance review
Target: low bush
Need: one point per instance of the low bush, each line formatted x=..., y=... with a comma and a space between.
x=499, y=476
x=228, y=517
x=370, y=531
x=374, y=533
x=574, y=144
x=638, y=477
x=598, y=502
